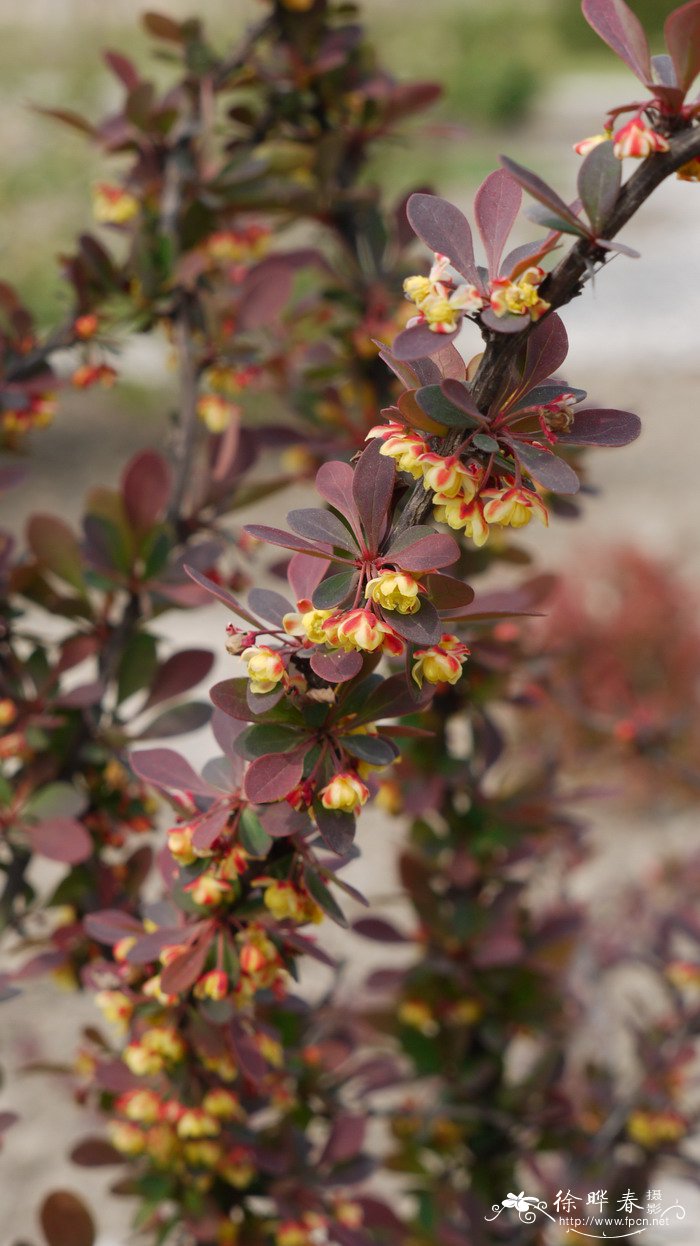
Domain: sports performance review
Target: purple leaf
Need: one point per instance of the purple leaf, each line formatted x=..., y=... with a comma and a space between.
x=422, y=628
x=545, y=351
x=269, y=605
x=403, y=371
x=208, y=828
x=546, y=468
x=265, y=292
x=681, y=31
x=334, y=590
x=180, y=673
x=372, y=489
x=110, y=925
x=95, y=1153
x=148, y=946
x=145, y=487
x=520, y=254
x=602, y=427
x=163, y=767
x=496, y=207
x=305, y=574
x=220, y=593
x=599, y=182
x=416, y=343
x=345, y=1140
x=176, y=721
x=504, y=324
x=281, y=820
x=337, y=668
x=618, y=26
x=53, y=543
x=230, y=696
x=60, y=839
x=447, y=591
x=334, y=483
x=379, y=930
x=535, y=186
x=421, y=549
x=182, y=972
x=445, y=230
x=337, y=831
x=273, y=776
x=226, y=731
x=390, y=700
x=286, y=540
x=319, y=525
x=458, y=394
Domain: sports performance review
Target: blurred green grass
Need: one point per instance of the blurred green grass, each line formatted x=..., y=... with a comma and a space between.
x=494, y=58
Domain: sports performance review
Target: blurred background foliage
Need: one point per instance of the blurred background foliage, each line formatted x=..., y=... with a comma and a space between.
x=490, y=85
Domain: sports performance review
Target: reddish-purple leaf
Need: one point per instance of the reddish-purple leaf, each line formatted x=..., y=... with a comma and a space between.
x=163, y=767
x=446, y=231
x=390, y=700
x=682, y=33
x=273, y=776
x=337, y=668
x=149, y=946
x=459, y=395
x=450, y=363
x=504, y=324
x=372, y=489
x=111, y=925
x=403, y=371
x=496, y=207
x=319, y=525
x=60, y=839
x=286, y=540
x=226, y=731
x=66, y=1221
x=246, y=1055
x=180, y=673
x=421, y=549
x=281, y=820
x=334, y=483
x=546, y=468
x=421, y=628
x=145, y=487
x=418, y=342
x=269, y=605
x=305, y=574
x=545, y=351
x=220, y=593
x=345, y=1140
x=535, y=186
x=519, y=255
x=178, y=720
x=602, y=427
x=96, y=1153
x=446, y=591
x=230, y=696
x=123, y=69
x=180, y=974
x=618, y=26
x=599, y=182
x=208, y=828
x=265, y=292
x=379, y=930
x=337, y=830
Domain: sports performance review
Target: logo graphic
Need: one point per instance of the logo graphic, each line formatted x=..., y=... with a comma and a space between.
x=629, y=1218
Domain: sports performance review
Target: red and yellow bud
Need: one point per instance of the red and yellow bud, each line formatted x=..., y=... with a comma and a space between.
x=217, y=413
x=345, y=792
x=111, y=205
x=587, y=145
x=197, y=1123
x=638, y=140
x=265, y=668
x=462, y=515
x=115, y=1007
x=127, y=1137
x=142, y=1106
x=521, y=297
x=209, y=891
x=213, y=985
x=312, y=622
x=362, y=630
x=223, y=1104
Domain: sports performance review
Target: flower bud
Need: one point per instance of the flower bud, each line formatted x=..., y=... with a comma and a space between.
x=345, y=792
x=513, y=507
x=394, y=590
x=265, y=668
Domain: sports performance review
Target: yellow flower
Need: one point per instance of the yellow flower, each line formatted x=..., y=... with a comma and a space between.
x=587, y=144
x=223, y=1104
x=127, y=1138
x=208, y=891
x=180, y=845
x=521, y=297
x=284, y=900
x=141, y=1061
x=362, y=630
x=265, y=668
x=202, y=1153
x=217, y=413
x=418, y=1015
x=197, y=1123
x=213, y=985
x=460, y=513
x=312, y=624
x=345, y=792
x=394, y=590
x=111, y=205
x=236, y=1168
x=166, y=1042
x=115, y=1006
x=440, y=663
x=401, y=445
x=143, y=1106
x=653, y=1130
x=161, y=1144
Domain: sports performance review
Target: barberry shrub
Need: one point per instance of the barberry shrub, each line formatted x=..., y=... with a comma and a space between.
x=365, y=669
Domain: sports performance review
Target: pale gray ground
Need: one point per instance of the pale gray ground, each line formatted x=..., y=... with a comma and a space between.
x=634, y=344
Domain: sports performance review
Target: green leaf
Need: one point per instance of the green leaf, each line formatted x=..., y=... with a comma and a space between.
x=154, y=551
x=264, y=738
x=320, y=893
x=55, y=800
x=599, y=182
x=252, y=835
x=56, y=547
x=483, y=442
x=137, y=666
x=432, y=400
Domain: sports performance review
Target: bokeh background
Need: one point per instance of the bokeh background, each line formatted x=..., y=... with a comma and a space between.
x=527, y=79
